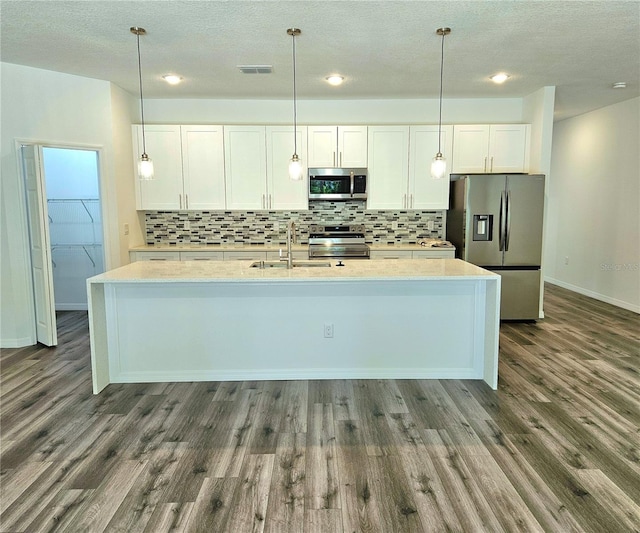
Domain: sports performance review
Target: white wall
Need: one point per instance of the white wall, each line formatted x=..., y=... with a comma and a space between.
x=45, y=107
x=124, y=111
x=461, y=111
x=538, y=111
x=594, y=205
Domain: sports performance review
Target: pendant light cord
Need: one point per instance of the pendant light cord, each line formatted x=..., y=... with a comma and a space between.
x=295, y=114
x=144, y=145
x=441, y=72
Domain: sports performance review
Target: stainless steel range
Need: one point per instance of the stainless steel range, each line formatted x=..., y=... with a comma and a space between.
x=344, y=242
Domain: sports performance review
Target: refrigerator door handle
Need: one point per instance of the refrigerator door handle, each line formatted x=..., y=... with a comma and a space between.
x=507, y=226
x=501, y=221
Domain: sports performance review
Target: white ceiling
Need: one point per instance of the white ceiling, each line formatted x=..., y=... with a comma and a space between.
x=385, y=49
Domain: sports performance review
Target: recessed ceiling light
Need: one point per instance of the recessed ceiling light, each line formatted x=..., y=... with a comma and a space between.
x=501, y=77
x=620, y=85
x=172, y=79
x=335, y=79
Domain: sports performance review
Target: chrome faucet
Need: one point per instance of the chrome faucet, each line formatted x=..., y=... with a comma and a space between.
x=291, y=238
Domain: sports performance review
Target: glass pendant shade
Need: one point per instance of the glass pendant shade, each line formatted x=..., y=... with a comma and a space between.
x=438, y=167
x=295, y=168
x=145, y=167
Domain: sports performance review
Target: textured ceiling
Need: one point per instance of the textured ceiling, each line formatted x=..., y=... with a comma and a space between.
x=385, y=49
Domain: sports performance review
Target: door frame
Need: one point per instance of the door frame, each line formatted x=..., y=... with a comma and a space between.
x=104, y=211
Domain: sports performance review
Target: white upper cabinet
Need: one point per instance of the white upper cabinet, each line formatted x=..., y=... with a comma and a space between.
x=337, y=146
x=495, y=148
x=203, y=167
x=509, y=147
x=282, y=193
x=388, y=168
x=246, y=167
x=257, y=168
x=400, y=167
x=188, y=166
x=163, y=147
x=424, y=192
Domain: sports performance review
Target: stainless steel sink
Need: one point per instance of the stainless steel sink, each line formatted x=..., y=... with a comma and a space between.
x=311, y=264
x=283, y=264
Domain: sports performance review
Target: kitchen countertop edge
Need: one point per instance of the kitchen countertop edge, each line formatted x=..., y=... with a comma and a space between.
x=241, y=272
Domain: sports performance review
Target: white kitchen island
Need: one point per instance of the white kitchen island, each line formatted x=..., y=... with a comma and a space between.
x=224, y=321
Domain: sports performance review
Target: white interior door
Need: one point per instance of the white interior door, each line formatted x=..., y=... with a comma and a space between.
x=40, y=246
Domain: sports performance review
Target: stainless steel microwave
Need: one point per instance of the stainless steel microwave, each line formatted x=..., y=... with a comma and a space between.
x=337, y=184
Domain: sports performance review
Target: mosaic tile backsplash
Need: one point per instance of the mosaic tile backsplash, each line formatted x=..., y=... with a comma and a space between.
x=270, y=227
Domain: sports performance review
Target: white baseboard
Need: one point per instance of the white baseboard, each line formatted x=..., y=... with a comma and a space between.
x=152, y=376
x=595, y=295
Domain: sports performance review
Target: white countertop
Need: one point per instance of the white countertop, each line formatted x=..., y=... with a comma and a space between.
x=240, y=271
x=430, y=244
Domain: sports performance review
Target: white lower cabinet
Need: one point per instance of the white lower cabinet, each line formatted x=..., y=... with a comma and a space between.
x=201, y=256
x=155, y=256
x=245, y=255
x=274, y=255
x=390, y=254
x=434, y=253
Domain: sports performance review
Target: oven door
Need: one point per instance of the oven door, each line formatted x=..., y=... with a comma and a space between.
x=339, y=251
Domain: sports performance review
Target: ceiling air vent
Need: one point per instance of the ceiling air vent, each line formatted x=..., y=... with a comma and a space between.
x=256, y=69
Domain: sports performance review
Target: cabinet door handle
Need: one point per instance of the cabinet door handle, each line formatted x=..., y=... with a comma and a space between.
x=404, y=201
x=485, y=164
x=411, y=201
x=180, y=200
x=269, y=201
x=340, y=160
x=334, y=159
x=491, y=164
x=264, y=204
x=186, y=201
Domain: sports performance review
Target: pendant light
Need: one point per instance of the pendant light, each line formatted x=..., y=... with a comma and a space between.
x=145, y=165
x=439, y=163
x=295, y=165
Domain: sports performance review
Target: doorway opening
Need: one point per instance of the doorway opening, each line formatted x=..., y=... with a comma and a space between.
x=75, y=223
x=65, y=230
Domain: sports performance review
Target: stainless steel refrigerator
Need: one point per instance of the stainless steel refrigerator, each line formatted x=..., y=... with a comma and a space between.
x=495, y=221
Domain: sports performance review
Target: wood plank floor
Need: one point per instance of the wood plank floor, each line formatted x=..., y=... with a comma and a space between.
x=556, y=448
